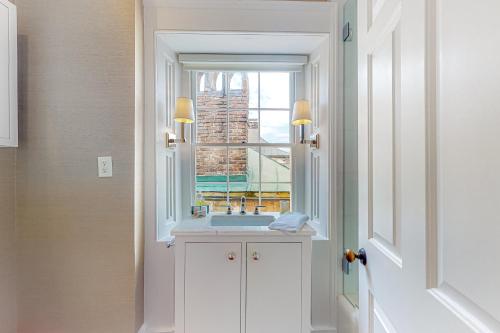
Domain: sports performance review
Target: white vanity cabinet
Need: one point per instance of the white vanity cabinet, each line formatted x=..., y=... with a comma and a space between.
x=8, y=74
x=274, y=287
x=212, y=287
x=242, y=284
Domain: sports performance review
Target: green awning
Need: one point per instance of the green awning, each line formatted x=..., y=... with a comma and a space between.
x=237, y=183
x=221, y=179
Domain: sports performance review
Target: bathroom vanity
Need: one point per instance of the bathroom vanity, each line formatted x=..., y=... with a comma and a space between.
x=233, y=274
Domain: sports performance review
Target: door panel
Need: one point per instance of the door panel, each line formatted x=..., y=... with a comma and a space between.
x=274, y=288
x=213, y=288
x=168, y=173
x=378, y=319
x=467, y=186
x=384, y=86
x=428, y=168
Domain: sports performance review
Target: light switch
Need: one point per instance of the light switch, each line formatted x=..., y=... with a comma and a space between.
x=105, y=166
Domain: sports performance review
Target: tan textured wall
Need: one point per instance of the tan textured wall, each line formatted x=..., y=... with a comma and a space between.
x=7, y=241
x=76, y=231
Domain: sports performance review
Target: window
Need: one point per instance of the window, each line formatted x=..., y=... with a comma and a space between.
x=242, y=139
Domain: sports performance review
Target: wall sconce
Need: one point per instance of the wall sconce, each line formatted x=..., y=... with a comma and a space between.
x=301, y=117
x=183, y=115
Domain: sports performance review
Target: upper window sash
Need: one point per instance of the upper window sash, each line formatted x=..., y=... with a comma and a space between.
x=268, y=114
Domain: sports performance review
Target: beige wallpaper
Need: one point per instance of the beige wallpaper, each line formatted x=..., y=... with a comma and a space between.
x=76, y=258
x=8, y=313
x=7, y=242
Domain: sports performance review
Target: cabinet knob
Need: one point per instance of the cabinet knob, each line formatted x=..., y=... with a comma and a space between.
x=231, y=256
x=255, y=256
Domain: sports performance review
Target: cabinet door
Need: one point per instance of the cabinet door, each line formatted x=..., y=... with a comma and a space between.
x=8, y=74
x=213, y=288
x=274, y=288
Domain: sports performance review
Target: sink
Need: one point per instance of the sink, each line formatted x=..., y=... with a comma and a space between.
x=241, y=220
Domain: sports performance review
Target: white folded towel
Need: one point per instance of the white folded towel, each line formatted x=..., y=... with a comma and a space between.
x=290, y=222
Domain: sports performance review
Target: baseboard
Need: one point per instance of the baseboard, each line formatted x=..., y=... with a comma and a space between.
x=323, y=330
x=145, y=329
x=142, y=329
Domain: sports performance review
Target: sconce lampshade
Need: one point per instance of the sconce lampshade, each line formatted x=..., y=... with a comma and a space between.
x=301, y=113
x=184, y=110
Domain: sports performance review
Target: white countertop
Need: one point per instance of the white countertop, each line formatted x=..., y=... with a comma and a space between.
x=201, y=227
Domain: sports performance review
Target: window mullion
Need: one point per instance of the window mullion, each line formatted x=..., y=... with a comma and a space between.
x=258, y=139
x=226, y=85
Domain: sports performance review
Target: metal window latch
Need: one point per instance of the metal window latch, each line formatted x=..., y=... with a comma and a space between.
x=347, y=32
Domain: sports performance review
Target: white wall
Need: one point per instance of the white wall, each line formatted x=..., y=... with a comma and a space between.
x=268, y=16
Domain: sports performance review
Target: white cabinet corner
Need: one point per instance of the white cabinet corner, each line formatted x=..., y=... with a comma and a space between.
x=8, y=74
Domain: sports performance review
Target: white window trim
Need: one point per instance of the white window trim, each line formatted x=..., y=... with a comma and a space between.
x=296, y=153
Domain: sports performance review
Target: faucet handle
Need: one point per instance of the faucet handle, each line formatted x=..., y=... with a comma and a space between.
x=257, y=211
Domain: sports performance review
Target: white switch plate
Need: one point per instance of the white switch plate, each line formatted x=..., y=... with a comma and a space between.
x=105, y=166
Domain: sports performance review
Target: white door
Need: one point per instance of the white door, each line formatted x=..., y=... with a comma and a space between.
x=212, y=288
x=429, y=164
x=274, y=288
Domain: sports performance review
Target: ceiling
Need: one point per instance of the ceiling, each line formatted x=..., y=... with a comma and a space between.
x=242, y=43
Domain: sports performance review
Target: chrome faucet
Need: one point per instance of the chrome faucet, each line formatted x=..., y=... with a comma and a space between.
x=257, y=211
x=243, y=205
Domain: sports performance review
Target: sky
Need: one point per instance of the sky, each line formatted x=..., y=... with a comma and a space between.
x=275, y=93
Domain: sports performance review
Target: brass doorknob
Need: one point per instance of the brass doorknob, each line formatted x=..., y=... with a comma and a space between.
x=351, y=256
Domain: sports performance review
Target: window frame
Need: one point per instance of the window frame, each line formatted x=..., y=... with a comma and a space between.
x=296, y=169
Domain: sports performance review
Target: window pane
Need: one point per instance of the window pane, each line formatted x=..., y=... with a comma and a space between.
x=275, y=90
x=201, y=82
x=243, y=126
x=211, y=161
x=211, y=171
x=210, y=82
x=243, y=171
x=275, y=126
x=236, y=81
x=243, y=167
x=211, y=109
x=275, y=164
x=276, y=197
x=211, y=126
x=217, y=200
x=253, y=90
x=238, y=90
